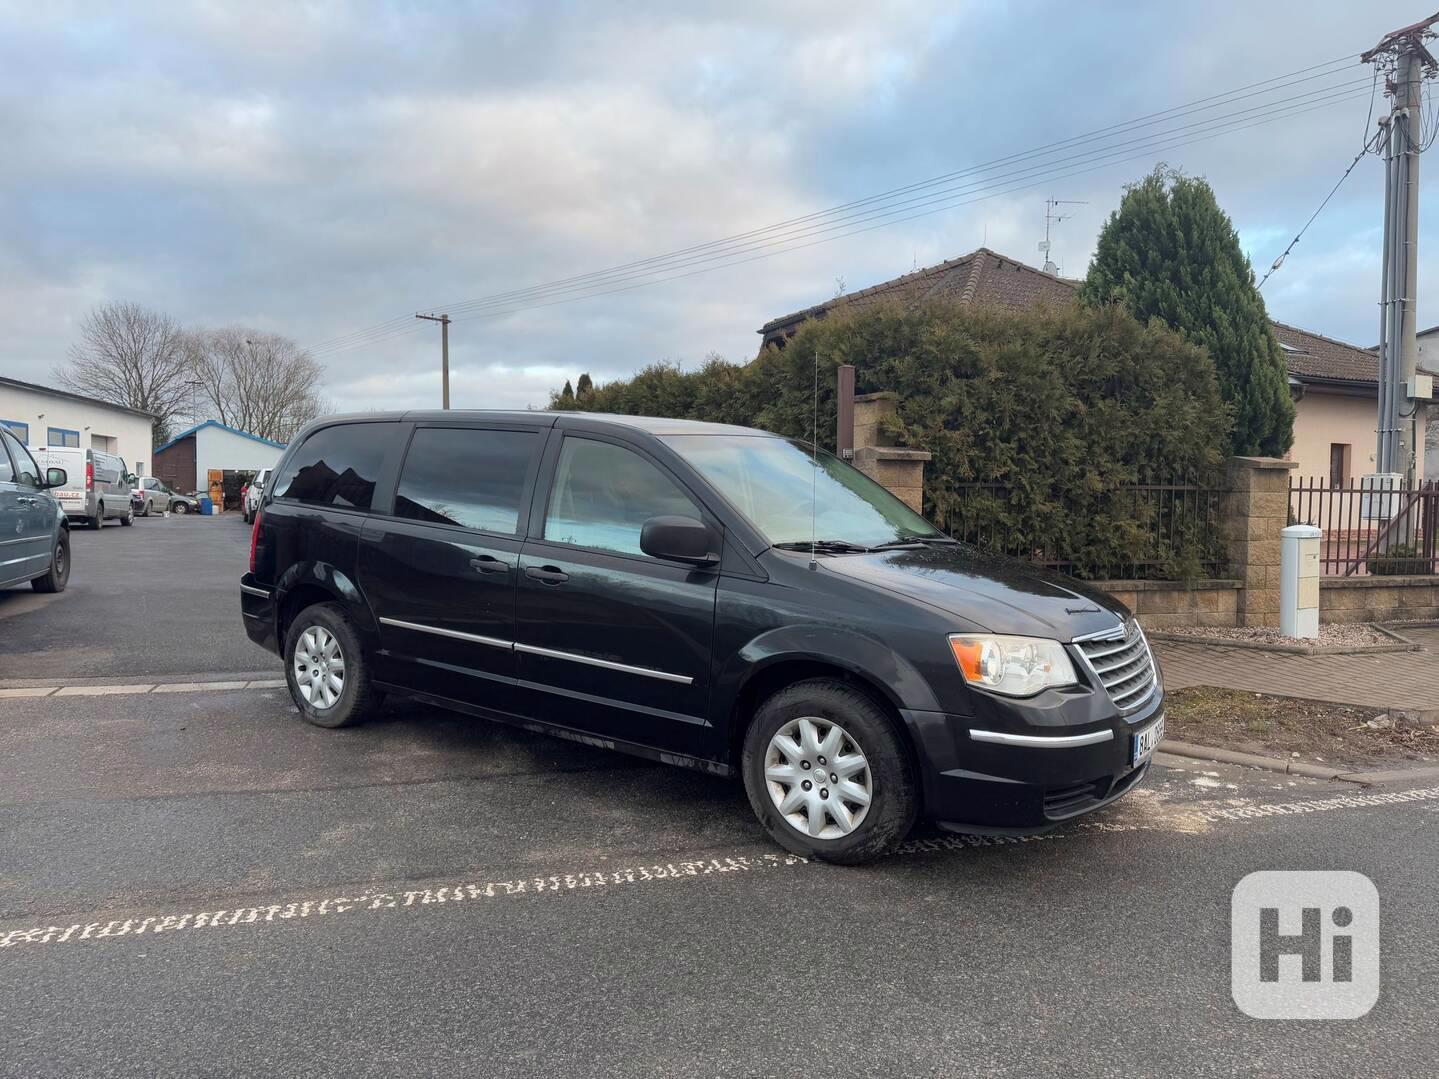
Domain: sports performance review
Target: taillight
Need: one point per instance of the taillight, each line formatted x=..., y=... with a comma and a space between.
x=89, y=475
x=255, y=538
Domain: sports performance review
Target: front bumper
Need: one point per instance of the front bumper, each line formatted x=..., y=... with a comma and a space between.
x=1024, y=783
x=257, y=608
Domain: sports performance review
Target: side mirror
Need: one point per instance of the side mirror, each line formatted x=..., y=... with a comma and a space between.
x=680, y=539
x=56, y=477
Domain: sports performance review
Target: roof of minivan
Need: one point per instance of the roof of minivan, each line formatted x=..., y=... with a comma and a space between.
x=655, y=425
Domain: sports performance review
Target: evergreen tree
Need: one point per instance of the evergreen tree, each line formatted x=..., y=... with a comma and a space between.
x=584, y=387
x=567, y=397
x=1169, y=252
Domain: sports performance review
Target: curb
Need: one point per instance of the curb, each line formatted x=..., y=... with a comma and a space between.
x=1292, y=767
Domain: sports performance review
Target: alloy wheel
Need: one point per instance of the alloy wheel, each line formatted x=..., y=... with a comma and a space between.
x=319, y=667
x=818, y=778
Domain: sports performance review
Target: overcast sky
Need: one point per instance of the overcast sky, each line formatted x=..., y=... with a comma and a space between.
x=320, y=168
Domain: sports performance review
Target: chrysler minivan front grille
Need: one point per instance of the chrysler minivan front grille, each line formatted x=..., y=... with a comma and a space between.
x=1122, y=663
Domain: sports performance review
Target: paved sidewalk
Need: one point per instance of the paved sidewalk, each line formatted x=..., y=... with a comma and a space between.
x=1377, y=680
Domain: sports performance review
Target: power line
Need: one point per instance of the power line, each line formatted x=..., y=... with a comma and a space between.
x=661, y=265
x=1171, y=143
x=1273, y=84
x=1167, y=142
x=1363, y=151
x=875, y=208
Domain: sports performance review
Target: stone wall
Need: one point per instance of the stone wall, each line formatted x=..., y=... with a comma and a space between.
x=1162, y=604
x=1254, y=510
x=1378, y=599
x=900, y=470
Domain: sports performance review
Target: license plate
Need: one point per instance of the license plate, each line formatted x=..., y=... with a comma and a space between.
x=1142, y=743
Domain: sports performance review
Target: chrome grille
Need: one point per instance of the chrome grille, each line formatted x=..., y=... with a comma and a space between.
x=1122, y=663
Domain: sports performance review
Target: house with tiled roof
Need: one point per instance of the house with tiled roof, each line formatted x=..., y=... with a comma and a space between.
x=1335, y=385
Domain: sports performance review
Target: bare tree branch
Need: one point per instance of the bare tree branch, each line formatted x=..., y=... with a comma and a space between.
x=259, y=382
x=132, y=356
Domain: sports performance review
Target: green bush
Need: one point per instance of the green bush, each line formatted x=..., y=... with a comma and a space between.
x=1060, y=412
x=1399, y=560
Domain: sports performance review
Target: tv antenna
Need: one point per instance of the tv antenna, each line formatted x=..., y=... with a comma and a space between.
x=1051, y=218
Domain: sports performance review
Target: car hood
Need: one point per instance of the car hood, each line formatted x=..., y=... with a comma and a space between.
x=1001, y=595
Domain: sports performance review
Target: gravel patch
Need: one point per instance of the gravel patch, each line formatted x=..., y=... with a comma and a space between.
x=1343, y=634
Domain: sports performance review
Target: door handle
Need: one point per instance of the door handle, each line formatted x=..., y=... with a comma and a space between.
x=488, y=564
x=24, y=500
x=547, y=574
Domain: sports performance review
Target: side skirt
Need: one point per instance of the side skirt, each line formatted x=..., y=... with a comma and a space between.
x=636, y=749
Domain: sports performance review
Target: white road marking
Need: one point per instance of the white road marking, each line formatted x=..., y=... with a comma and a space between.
x=196, y=687
x=139, y=688
x=101, y=691
x=415, y=899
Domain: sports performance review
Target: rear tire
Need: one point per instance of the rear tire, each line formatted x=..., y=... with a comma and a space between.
x=98, y=521
x=59, y=573
x=326, y=668
x=835, y=738
x=145, y=508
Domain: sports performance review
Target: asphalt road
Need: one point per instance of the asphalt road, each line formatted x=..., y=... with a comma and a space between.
x=160, y=597
x=432, y=894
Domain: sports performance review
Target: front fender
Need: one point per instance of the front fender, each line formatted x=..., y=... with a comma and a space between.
x=864, y=656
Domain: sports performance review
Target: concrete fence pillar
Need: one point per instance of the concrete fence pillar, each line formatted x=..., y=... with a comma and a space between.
x=899, y=470
x=1254, y=511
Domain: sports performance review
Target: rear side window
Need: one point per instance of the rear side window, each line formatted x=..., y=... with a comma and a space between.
x=470, y=478
x=7, y=471
x=336, y=466
x=603, y=494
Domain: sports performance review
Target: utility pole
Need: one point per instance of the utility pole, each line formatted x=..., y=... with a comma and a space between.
x=1405, y=62
x=1052, y=218
x=444, y=321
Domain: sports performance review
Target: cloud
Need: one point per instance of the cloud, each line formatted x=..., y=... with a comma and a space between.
x=322, y=168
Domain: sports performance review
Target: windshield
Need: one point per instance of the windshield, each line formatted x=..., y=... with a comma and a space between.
x=772, y=480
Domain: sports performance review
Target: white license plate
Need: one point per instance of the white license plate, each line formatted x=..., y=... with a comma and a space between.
x=1142, y=743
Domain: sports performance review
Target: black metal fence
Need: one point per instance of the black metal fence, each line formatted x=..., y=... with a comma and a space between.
x=1374, y=528
x=1155, y=531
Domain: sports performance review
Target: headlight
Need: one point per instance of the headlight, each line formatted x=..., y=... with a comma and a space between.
x=1013, y=666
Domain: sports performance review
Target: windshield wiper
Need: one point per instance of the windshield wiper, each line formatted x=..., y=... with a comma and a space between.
x=912, y=541
x=830, y=546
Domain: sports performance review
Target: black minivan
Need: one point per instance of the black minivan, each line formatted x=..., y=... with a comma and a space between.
x=711, y=596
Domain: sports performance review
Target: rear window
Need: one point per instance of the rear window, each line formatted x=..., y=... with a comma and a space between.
x=336, y=466
x=470, y=478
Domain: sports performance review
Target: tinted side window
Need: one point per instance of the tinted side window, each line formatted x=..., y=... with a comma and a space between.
x=336, y=466
x=603, y=494
x=469, y=478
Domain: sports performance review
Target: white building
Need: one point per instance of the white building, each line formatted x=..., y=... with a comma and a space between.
x=214, y=459
x=41, y=416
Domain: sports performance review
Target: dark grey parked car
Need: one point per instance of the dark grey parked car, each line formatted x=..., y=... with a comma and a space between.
x=34, y=532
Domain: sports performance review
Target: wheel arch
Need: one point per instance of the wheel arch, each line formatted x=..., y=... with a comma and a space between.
x=782, y=670
x=318, y=582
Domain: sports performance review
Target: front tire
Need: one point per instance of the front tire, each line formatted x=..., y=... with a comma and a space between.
x=180, y=507
x=828, y=773
x=58, y=575
x=129, y=517
x=326, y=668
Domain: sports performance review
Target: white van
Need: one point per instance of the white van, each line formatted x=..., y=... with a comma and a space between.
x=98, y=484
